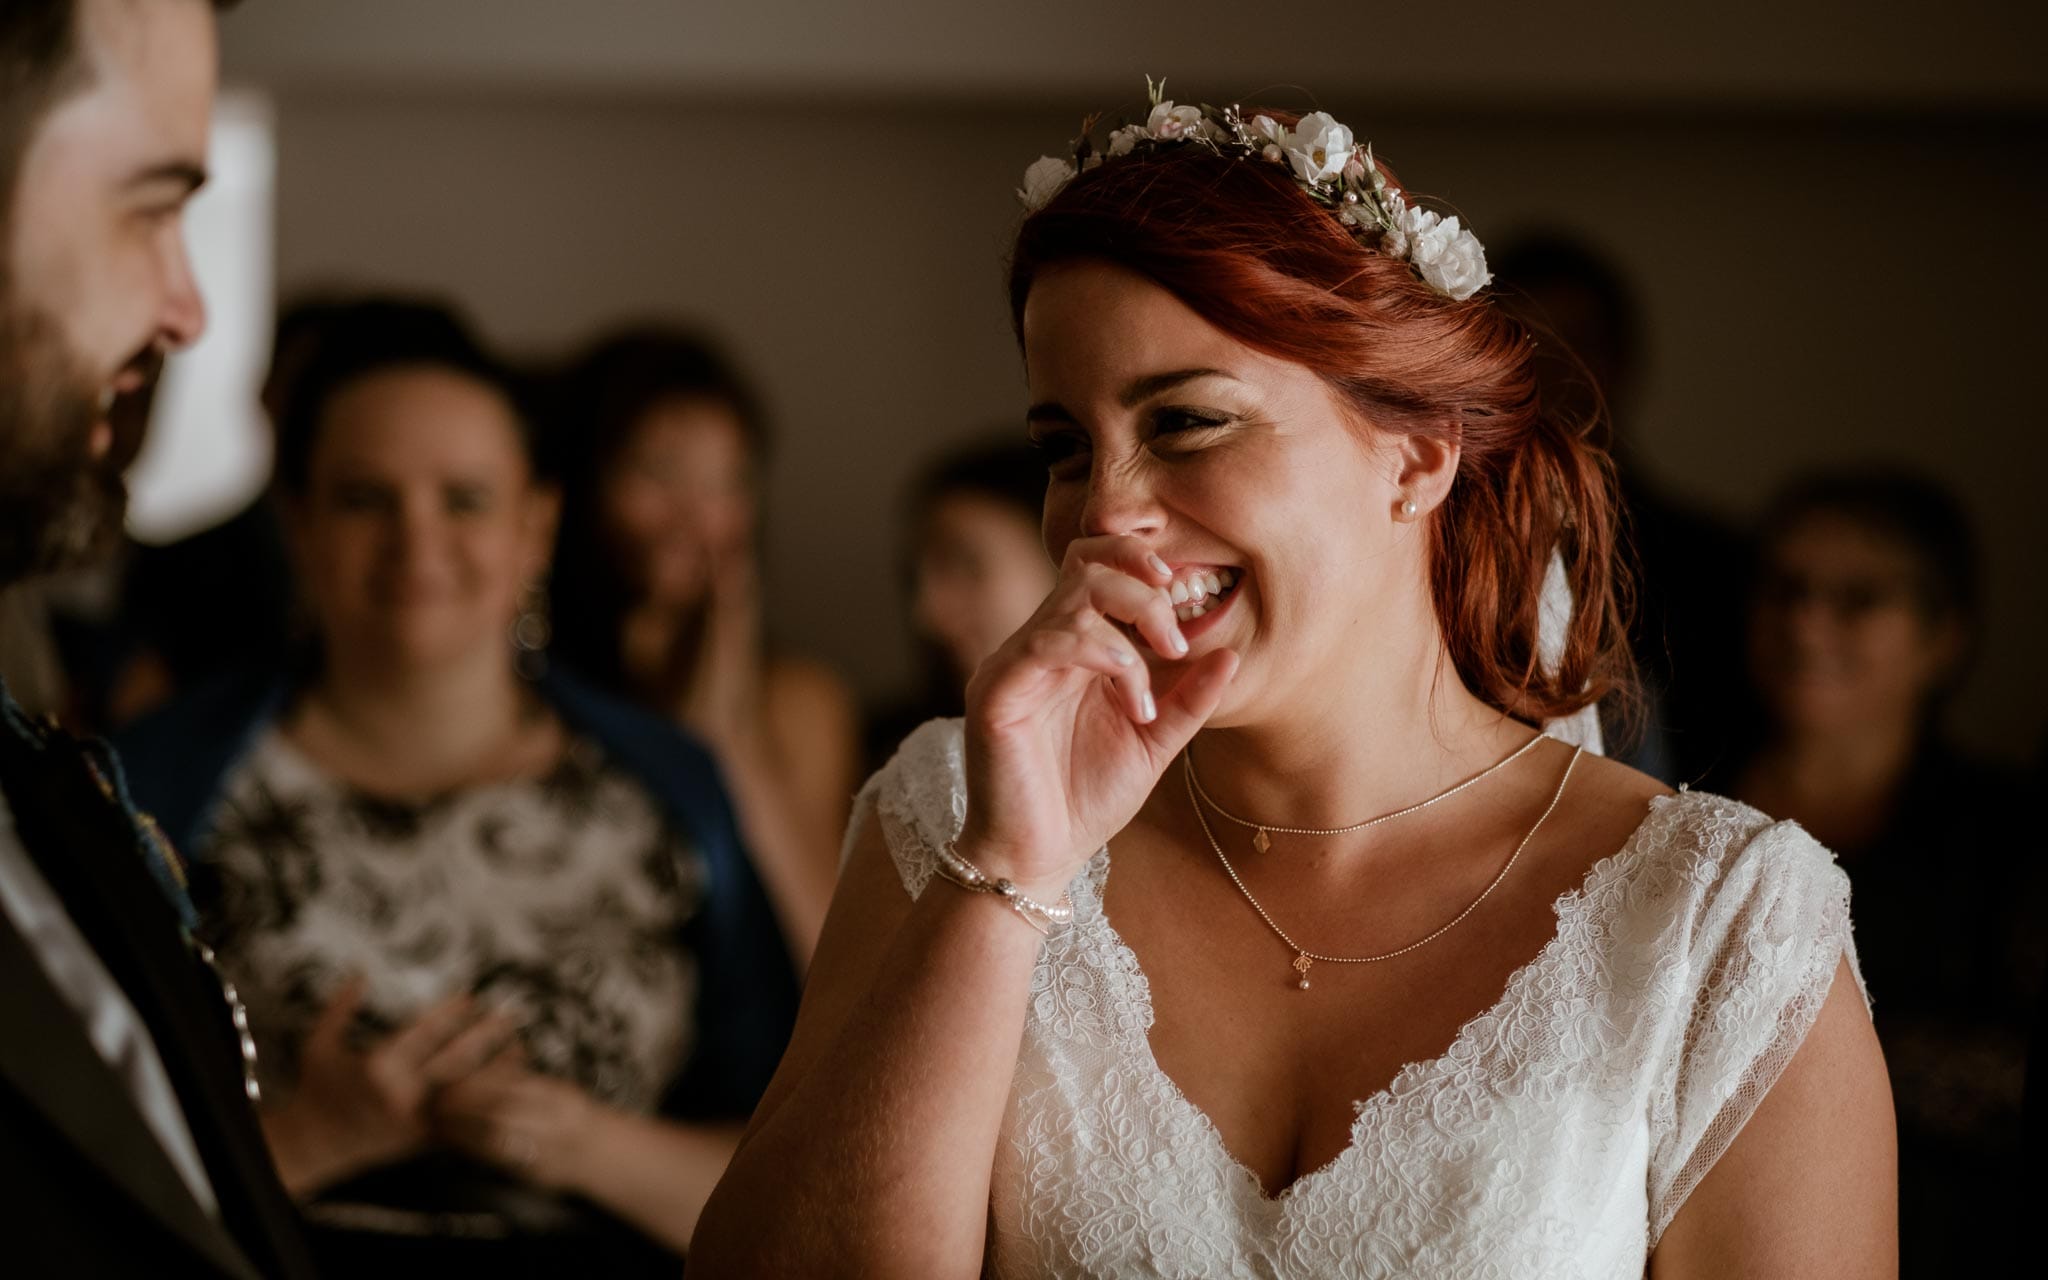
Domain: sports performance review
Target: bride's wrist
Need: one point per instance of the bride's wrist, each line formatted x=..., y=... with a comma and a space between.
x=1023, y=867
x=979, y=868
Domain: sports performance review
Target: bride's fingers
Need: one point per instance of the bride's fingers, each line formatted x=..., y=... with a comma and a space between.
x=1118, y=551
x=1093, y=645
x=1119, y=597
x=1186, y=705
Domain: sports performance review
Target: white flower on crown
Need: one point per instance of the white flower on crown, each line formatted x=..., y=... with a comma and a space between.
x=1448, y=257
x=1122, y=140
x=1169, y=123
x=1328, y=163
x=1318, y=147
x=1043, y=180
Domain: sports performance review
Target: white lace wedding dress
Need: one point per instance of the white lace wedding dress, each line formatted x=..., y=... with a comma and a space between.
x=1556, y=1137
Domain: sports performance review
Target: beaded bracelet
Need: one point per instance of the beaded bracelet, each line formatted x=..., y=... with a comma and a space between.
x=1037, y=914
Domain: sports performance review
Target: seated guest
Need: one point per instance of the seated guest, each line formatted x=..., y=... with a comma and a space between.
x=658, y=588
x=977, y=570
x=1865, y=613
x=513, y=981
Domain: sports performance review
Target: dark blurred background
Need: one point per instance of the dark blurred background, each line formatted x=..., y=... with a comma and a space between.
x=1831, y=219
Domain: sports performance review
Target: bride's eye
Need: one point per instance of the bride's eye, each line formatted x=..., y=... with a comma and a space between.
x=1065, y=453
x=1186, y=425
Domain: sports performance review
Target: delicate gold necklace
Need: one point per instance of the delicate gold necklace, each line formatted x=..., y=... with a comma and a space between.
x=1263, y=840
x=1303, y=957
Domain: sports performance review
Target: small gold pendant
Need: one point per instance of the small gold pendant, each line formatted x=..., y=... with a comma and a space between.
x=1262, y=841
x=1301, y=966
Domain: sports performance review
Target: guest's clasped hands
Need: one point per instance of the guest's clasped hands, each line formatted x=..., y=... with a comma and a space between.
x=455, y=1074
x=1060, y=759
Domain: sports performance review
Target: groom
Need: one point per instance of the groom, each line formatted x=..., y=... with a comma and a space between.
x=128, y=1145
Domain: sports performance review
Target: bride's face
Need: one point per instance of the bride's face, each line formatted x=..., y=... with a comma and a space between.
x=1226, y=462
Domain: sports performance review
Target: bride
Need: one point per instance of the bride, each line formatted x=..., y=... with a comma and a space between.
x=1246, y=926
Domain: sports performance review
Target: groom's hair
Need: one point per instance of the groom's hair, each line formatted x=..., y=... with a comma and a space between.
x=39, y=65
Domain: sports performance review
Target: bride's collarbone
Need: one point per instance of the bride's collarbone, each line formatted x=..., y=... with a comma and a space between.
x=1280, y=1071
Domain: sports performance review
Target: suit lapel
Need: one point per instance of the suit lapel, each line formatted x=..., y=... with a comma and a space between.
x=59, y=1073
x=84, y=844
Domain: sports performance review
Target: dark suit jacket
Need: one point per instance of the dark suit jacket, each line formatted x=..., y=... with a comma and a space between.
x=85, y=1188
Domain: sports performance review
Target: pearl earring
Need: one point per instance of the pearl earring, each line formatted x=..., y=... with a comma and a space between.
x=1408, y=509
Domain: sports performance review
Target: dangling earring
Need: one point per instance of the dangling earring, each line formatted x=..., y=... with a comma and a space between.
x=1408, y=509
x=531, y=631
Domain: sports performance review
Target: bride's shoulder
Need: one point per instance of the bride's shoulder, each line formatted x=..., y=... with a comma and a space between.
x=1696, y=847
x=931, y=755
x=917, y=801
x=1730, y=871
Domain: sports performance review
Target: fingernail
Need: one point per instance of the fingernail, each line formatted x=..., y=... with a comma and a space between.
x=1123, y=657
x=1180, y=643
x=1159, y=566
x=1151, y=708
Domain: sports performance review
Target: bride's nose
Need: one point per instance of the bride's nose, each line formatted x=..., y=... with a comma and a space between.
x=1121, y=500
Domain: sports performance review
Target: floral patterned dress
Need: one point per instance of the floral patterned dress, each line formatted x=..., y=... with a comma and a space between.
x=561, y=899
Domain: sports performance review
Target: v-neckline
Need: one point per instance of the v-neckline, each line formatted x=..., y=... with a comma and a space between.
x=1566, y=908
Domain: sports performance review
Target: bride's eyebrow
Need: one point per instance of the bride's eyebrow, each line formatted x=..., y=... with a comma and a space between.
x=1133, y=395
x=1152, y=384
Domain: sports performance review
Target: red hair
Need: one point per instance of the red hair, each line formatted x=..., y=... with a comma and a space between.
x=1246, y=249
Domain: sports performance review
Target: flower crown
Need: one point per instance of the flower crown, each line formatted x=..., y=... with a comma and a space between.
x=1327, y=163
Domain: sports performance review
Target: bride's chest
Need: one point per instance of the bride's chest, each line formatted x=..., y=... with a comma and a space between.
x=1278, y=1050
x=1533, y=1109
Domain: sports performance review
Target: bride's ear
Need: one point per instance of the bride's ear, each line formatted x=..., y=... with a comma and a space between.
x=1425, y=464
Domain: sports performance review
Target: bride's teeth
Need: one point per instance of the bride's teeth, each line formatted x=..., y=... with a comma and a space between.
x=1201, y=592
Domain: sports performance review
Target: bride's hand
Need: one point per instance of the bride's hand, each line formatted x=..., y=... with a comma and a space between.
x=1066, y=732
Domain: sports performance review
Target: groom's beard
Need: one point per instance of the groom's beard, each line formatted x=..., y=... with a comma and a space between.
x=59, y=505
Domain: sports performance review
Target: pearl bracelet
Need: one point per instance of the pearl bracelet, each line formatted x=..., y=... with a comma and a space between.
x=1037, y=914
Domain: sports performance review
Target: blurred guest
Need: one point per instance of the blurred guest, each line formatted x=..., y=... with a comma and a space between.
x=502, y=949
x=977, y=570
x=658, y=585
x=1864, y=618
x=1691, y=568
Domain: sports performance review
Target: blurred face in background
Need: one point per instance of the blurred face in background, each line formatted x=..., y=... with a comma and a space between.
x=422, y=523
x=95, y=286
x=1841, y=637
x=679, y=501
x=980, y=573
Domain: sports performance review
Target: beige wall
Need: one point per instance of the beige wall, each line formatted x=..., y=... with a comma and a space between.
x=1819, y=286
x=1920, y=52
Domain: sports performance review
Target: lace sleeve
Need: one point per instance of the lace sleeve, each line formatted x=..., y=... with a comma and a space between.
x=920, y=799
x=1771, y=928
